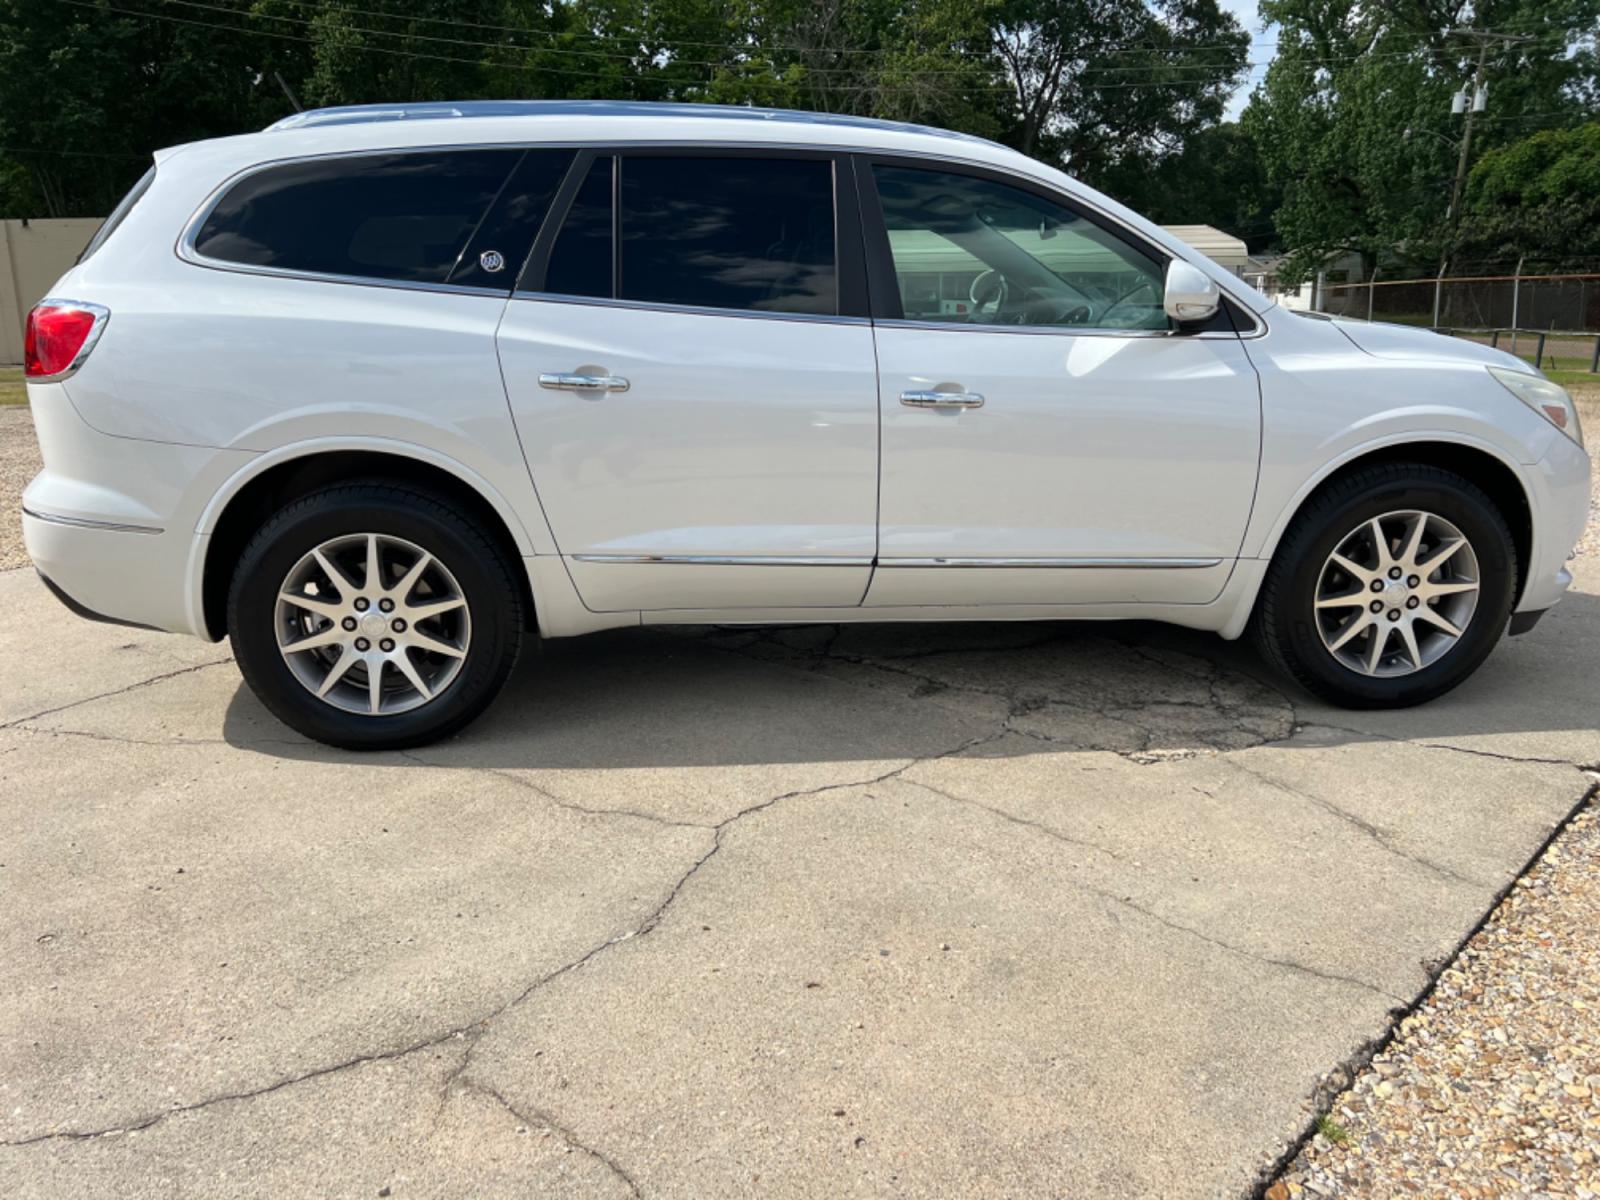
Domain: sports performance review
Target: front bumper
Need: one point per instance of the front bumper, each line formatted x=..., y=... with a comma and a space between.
x=1560, y=487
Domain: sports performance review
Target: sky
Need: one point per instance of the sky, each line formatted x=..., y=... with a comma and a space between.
x=1261, y=49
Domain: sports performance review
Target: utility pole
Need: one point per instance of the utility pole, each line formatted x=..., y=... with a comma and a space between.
x=1471, y=105
x=1478, y=100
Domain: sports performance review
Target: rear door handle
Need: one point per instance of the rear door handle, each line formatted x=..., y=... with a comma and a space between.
x=583, y=383
x=941, y=399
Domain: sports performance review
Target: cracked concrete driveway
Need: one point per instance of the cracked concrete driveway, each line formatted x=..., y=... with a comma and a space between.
x=955, y=910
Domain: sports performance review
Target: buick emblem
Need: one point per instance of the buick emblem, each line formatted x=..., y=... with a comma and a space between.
x=492, y=260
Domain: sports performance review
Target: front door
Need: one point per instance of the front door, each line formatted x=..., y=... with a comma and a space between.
x=691, y=371
x=1047, y=439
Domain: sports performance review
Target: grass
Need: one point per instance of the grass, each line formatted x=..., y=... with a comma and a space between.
x=1332, y=1130
x=12, y=389
x=1573, y=380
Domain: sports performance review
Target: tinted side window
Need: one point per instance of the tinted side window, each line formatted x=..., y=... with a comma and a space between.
x=739, y=233
x=499, y=246
x=974, y=251
x=581, y=262
x=381, y=216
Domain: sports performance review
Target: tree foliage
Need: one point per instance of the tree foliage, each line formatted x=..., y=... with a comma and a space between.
x=1353, y=120
x=1538, y=199
x=1106, y=88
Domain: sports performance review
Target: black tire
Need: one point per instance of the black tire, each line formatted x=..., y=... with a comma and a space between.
x=482, y=569
x=1284, y=623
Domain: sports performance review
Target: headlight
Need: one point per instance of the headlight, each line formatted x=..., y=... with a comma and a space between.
x=1545, y=398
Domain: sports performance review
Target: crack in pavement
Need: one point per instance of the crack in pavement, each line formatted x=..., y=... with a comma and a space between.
x=132, y=687
x=471, y=1033
x=168, y=742
x=1128, y=902
x=473, y=1030
x=1376, y=736
x=1239, y=722
x=540, y=1118
x=546, y=794
x=142, y=1123
x=1384, y=838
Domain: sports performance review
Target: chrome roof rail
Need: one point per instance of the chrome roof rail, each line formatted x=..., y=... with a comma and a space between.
x=359, y=114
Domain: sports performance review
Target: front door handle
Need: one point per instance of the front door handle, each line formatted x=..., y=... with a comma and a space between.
x=941, y=399
x=583, y=383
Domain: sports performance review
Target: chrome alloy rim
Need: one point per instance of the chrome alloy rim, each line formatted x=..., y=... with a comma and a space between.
x=372, y=624
x=1397, y=593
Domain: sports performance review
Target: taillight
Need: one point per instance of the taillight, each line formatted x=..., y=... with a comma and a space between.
x=59, y=336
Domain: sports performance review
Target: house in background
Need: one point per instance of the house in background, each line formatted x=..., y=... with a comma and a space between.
x=1219, y=247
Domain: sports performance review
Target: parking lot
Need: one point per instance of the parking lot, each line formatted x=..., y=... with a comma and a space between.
x=947, y=910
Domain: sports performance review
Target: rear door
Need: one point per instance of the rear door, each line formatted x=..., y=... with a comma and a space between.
x=690, y=365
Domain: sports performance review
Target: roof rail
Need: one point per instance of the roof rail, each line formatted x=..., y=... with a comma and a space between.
x=359, y=114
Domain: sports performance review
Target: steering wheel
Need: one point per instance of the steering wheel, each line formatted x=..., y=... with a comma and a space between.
x=1112, y=307
x=989, y=287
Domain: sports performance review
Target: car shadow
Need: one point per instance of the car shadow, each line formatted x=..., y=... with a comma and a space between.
x=730, y=695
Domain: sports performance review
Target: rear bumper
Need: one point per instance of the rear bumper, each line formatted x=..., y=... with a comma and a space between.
x=110, y=522
x=82, y=610
x=111, y=572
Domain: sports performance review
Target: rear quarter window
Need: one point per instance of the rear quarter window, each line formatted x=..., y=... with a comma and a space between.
x=119, y=213
x=403, y=216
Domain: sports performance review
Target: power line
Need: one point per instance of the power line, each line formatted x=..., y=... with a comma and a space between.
x=1426, y=38
x=1169, y=75
x=874, y=88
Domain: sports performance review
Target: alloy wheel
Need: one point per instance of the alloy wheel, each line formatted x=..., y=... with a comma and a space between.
x=372, y=624
x=1397, y=593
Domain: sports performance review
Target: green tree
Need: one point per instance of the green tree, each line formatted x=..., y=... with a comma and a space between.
x=1353, y=118
x=1216, y=179
x=1537, y=198
x=86, y=93
x=1097, y=81
x=88, y=88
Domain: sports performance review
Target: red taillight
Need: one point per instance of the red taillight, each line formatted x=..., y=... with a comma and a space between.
x=59, y=336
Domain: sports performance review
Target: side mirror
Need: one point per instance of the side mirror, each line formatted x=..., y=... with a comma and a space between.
x=1191, y=295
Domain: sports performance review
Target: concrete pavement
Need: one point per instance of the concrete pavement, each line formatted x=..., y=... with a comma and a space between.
x=1009, y=910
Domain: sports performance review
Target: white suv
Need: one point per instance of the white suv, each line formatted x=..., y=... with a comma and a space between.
x=378, y=392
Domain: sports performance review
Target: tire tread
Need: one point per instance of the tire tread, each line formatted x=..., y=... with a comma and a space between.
x=1272, y=601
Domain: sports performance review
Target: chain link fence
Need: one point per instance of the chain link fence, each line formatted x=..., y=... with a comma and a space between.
x=1556, y=317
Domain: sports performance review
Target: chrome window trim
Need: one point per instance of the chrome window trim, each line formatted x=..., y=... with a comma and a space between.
x=197, y=259
x=102, y=317
x=86, y=523
x=688, y=309
x=766, y=560
x=723, y=560
x=1056, y=330
x=186, y=251
x=1059, y=564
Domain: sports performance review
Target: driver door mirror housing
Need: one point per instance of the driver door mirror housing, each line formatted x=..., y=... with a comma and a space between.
x=1190, y=295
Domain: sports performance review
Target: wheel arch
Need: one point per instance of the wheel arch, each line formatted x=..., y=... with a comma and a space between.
x=252, y=496
x=1475, y=462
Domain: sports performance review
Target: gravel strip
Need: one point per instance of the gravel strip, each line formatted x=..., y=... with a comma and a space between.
x=19, y=462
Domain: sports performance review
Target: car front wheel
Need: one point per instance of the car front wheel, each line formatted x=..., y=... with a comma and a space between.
x=373, y=616
x=1390, y=588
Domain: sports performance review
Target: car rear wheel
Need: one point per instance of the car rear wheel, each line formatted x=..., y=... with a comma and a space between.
x=1390, y=588
x=373, y=616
